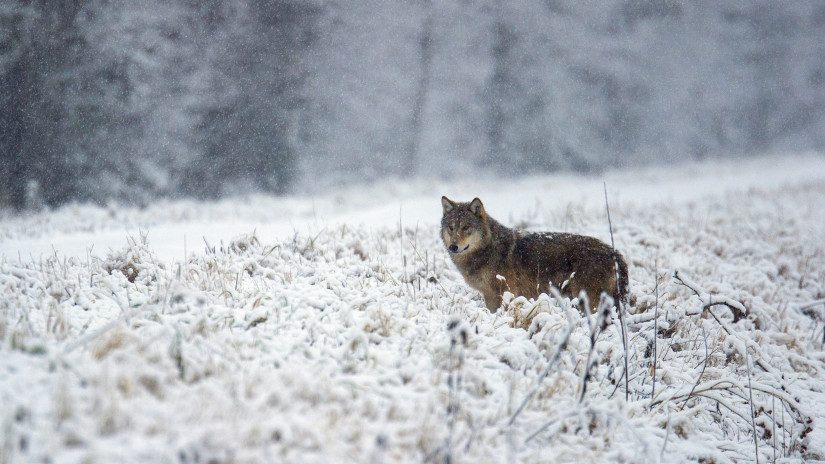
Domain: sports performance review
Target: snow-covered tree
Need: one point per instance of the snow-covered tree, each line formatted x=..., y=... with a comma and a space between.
x=246, y=121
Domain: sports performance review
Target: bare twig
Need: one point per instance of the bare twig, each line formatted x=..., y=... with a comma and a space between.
x=813, y=304
x=572, y=413
x=619, y=306
x=750, y=398
x=596, y=328
x=735, y=306
x=458, y=338
x=656, y=321
x=705, y=365
x=773, y=418
x=738, y=309
x=544, y=427
x=714, y=389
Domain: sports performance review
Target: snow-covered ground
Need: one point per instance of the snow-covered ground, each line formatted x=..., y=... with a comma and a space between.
x=335, y=328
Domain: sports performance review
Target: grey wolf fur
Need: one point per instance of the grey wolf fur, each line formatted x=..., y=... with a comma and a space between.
x=530, y=263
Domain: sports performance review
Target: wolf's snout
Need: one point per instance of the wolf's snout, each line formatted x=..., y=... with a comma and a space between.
x=453, y=248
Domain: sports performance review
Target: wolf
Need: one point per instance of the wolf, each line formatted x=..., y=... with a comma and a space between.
x=494, y=258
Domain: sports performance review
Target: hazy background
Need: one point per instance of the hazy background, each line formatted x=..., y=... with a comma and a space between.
x=129, y=100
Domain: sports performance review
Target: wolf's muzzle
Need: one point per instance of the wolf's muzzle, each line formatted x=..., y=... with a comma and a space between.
x=454, y=248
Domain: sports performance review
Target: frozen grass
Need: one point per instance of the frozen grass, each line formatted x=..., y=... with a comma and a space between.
x=352, y=344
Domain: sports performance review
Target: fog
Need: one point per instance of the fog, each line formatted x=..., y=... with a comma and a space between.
x=130, y=101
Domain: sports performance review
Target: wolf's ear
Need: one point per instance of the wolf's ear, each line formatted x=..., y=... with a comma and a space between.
x=476, y=207
x=447, y=204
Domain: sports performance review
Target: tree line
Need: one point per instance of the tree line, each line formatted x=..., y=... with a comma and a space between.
x=129, y=101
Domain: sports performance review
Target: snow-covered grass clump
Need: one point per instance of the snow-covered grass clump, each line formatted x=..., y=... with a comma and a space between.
x=348, y=343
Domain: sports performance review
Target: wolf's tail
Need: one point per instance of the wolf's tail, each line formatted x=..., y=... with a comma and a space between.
x=621, y=280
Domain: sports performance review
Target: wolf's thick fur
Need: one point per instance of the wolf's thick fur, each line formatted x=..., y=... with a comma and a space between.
x=483, y=249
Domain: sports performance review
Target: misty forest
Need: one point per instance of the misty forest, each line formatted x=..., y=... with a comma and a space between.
x=128, y=101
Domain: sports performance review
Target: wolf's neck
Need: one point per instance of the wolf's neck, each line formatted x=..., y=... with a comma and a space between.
x=498, y=230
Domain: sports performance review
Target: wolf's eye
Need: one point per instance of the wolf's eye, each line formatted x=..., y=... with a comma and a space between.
x=465, y=229
x=450, y=228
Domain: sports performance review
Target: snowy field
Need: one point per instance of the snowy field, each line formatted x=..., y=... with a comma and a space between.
x=335, y=329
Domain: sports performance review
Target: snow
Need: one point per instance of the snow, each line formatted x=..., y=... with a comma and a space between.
x=335, y=328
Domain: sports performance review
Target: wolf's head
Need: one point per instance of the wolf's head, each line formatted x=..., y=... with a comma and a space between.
x=463, y=226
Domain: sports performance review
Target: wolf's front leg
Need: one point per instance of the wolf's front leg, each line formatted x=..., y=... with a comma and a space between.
x=493, y=301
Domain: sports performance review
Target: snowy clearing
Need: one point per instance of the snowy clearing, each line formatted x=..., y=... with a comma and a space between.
x=335, y=329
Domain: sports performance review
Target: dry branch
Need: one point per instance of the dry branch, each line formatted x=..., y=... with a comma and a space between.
x=602, y=317
x=704, y=366
x=738, y=309
x=619, y=305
